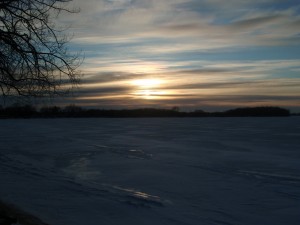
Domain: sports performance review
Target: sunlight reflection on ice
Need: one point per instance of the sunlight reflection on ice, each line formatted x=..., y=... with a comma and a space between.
x=138, y=197
x=80, y=168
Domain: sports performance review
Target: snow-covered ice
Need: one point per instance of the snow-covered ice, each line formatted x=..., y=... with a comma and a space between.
x=179, y=171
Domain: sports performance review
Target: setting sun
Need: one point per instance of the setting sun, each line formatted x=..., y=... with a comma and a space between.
x=147, y=83
x=148, y=88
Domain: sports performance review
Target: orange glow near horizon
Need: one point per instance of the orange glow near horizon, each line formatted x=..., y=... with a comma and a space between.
x=149, y=94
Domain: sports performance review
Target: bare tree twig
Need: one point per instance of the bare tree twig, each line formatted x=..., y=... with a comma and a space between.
x=34, y=60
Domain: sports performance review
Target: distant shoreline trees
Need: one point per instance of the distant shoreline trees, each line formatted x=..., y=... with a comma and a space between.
x=73, y=111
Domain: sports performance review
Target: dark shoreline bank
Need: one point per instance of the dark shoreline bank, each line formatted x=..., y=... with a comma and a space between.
x=73, y=111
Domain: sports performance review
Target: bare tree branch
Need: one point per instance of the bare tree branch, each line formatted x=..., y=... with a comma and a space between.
x=34, y=60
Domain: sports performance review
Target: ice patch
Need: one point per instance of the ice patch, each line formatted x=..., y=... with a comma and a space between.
x=124, y=151
x=172, y=171
x=276, y=176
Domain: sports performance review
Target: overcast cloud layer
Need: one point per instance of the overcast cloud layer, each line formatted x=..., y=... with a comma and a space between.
x=205, y=53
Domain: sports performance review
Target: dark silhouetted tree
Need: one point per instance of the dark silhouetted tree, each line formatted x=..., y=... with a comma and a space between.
x=72, y=110
x=52, y=111
x=34, y=60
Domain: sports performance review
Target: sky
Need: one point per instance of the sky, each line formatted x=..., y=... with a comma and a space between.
x=194, y=54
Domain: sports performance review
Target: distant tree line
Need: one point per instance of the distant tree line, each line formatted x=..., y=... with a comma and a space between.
x=73, y=111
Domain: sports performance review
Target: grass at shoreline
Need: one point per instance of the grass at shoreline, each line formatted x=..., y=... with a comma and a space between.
x=11, y=214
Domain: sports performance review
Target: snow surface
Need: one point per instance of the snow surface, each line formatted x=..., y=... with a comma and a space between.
x=179, y=171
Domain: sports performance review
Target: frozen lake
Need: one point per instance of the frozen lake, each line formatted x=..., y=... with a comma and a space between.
x=169, y=171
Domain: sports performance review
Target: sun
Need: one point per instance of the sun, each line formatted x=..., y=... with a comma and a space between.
x=147, y=83
x=147, y=88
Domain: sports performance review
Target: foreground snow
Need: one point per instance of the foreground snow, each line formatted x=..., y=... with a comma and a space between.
x=210, y=171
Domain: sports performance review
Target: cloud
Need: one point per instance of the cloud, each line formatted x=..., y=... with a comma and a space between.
x=203, y=48
x=227, y=79
x=256, y=22
x=149, y=24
